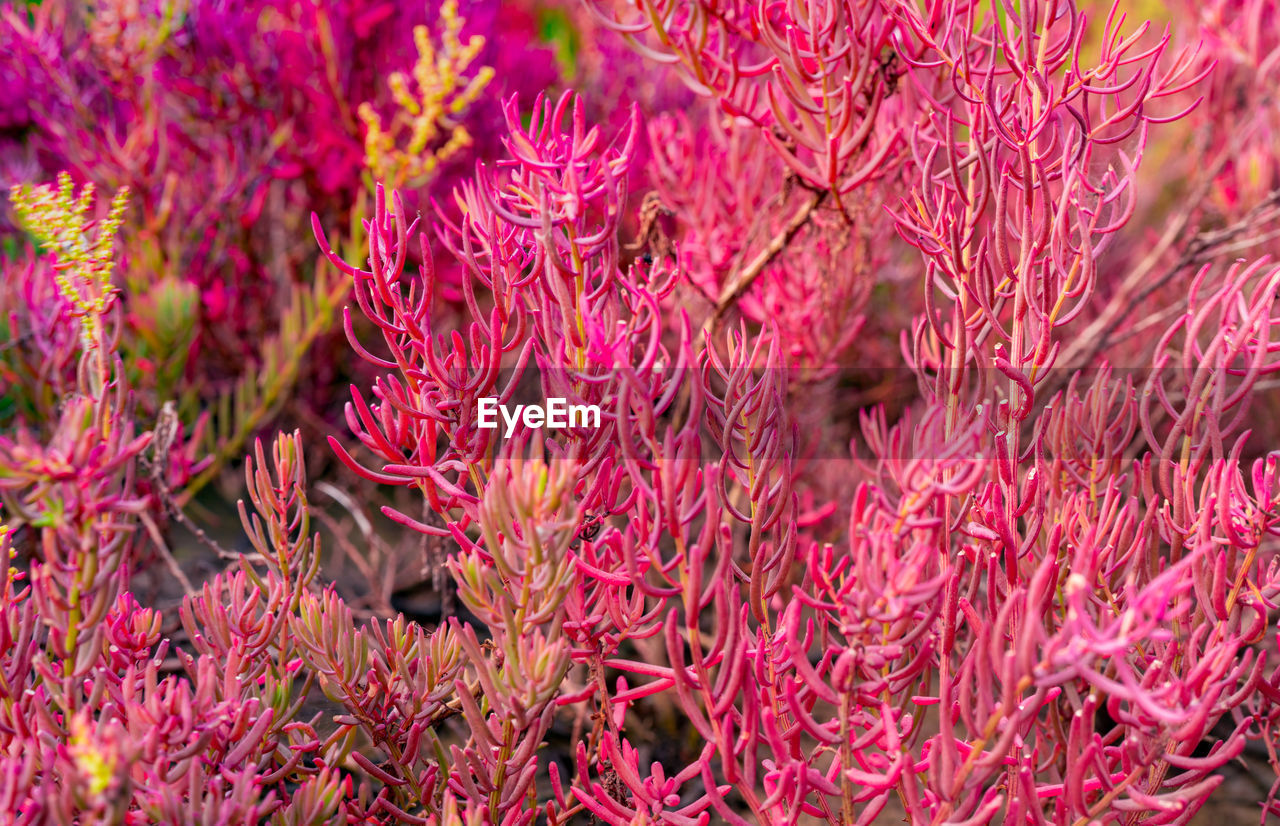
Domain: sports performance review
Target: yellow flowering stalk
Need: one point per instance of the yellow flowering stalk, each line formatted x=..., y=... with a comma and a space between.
x=427, y=114
x=58, y=219
x=7, y=551
x=96, y=765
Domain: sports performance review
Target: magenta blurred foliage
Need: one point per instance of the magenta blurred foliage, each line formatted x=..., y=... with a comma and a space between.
x=773, y=587
x=229, y=122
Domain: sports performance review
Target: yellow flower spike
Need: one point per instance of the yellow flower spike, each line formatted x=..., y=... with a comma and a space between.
x=10, y=551
x=423, y=70
x=423, y=132
x=452, y=24
x=473, y=90
x=377, y=143
x=98, y=768
x=400, y=91
x=84, y=249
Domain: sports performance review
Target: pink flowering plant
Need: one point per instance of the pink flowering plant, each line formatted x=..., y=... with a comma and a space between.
x=828, y=412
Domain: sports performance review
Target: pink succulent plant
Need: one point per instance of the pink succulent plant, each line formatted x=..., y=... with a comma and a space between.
x=776, y=583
